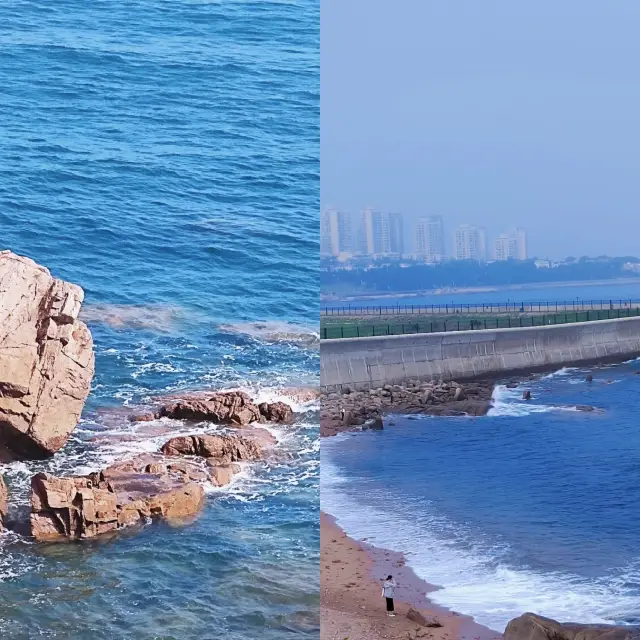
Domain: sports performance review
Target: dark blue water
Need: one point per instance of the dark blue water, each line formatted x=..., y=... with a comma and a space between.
x=534, y=507
x=164, y=156
x=615, y=290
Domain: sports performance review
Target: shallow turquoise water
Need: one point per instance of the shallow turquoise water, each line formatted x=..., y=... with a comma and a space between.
x=164, y=156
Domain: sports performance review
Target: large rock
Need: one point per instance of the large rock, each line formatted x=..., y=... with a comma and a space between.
x=46, y=358
x=124, y=494
x=533, y=627
x=224, y=449
x=226, y=407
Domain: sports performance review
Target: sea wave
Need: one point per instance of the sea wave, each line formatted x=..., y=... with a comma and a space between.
x=274, y=332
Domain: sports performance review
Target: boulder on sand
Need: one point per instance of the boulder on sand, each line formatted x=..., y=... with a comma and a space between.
x=534, y=627
x=124, y=494
x=46, y=358
x=225, y=407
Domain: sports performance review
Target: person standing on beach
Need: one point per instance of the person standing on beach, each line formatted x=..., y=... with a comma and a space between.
x=388, y=588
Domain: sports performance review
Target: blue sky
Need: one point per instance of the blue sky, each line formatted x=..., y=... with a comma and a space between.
x=493, y=112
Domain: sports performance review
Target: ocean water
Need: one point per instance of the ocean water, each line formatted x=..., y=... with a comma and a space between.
x=164, y=155
x=534, y=507
x=615, y=290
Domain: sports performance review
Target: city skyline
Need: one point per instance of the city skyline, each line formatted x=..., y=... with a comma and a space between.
x=371, y=232
x=487, y=127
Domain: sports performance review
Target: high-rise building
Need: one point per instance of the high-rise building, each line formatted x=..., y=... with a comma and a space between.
x=381, y=234
x=336, y=233
x=511, y=246
x=326, y=219
x=469, y=243
x=394, y=233
x=429, y=239
x=521, y=241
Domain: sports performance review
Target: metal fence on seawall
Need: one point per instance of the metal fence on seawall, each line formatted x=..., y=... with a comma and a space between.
x=360, y=330
x=486, y=307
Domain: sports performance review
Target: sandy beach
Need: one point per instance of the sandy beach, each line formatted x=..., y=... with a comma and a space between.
x=350, y=595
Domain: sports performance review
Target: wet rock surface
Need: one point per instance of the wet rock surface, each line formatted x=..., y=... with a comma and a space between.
x=124, y=494
x=357, y=409
x=225, y=407
x=534, y=627
x=4, y=501
x=223, y=448
x=167, y=486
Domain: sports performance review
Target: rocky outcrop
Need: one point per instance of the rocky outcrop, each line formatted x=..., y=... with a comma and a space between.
x=354, y=409
x=224, y=449
x=225, y=407
x=4, y=500
x=124, y=494
x=533, y=627
x=46, y=358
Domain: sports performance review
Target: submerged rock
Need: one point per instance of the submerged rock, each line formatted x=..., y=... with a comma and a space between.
x=225, y=407
x=222, y=474
x=46, y=358
x=534, y=627
x=124, y=494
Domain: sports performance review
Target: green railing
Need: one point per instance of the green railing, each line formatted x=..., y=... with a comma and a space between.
x=480, y=307
x=362, y=330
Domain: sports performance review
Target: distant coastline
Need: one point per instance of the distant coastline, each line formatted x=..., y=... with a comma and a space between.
x=485, y=289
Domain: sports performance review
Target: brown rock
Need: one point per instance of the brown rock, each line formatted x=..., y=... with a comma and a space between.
x=222, y=474
x=534, y=627
x=229, y=407
x=4, y=495
x=143, y=417
x=276, y=412
x=46, y=358
x=415, y=616
x=223, y=448
x=121, y=495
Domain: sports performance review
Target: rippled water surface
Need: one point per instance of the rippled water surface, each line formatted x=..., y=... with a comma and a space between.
x=534, y=507
x=164, y=156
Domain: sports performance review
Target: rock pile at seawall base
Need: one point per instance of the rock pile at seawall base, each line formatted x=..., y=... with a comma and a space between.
x=351, y=409
x=46, y=358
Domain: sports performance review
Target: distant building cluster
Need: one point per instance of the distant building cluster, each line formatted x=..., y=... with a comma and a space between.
x=371, y=233
x=380, y=234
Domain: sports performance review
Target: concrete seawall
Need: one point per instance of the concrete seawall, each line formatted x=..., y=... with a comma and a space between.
x=362, y=363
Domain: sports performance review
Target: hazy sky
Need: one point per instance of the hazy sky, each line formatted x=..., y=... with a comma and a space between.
x=493, y=112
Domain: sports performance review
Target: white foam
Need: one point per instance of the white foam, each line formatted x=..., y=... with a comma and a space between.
x=474, y=575
x=565, y=371
x=508, y=402
x=276, y=331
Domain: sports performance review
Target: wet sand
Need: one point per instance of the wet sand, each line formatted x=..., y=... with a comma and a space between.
x=351, y=605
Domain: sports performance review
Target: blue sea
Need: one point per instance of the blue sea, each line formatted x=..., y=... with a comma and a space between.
x=534, y=507
x=569, y=292
x=164, y=155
